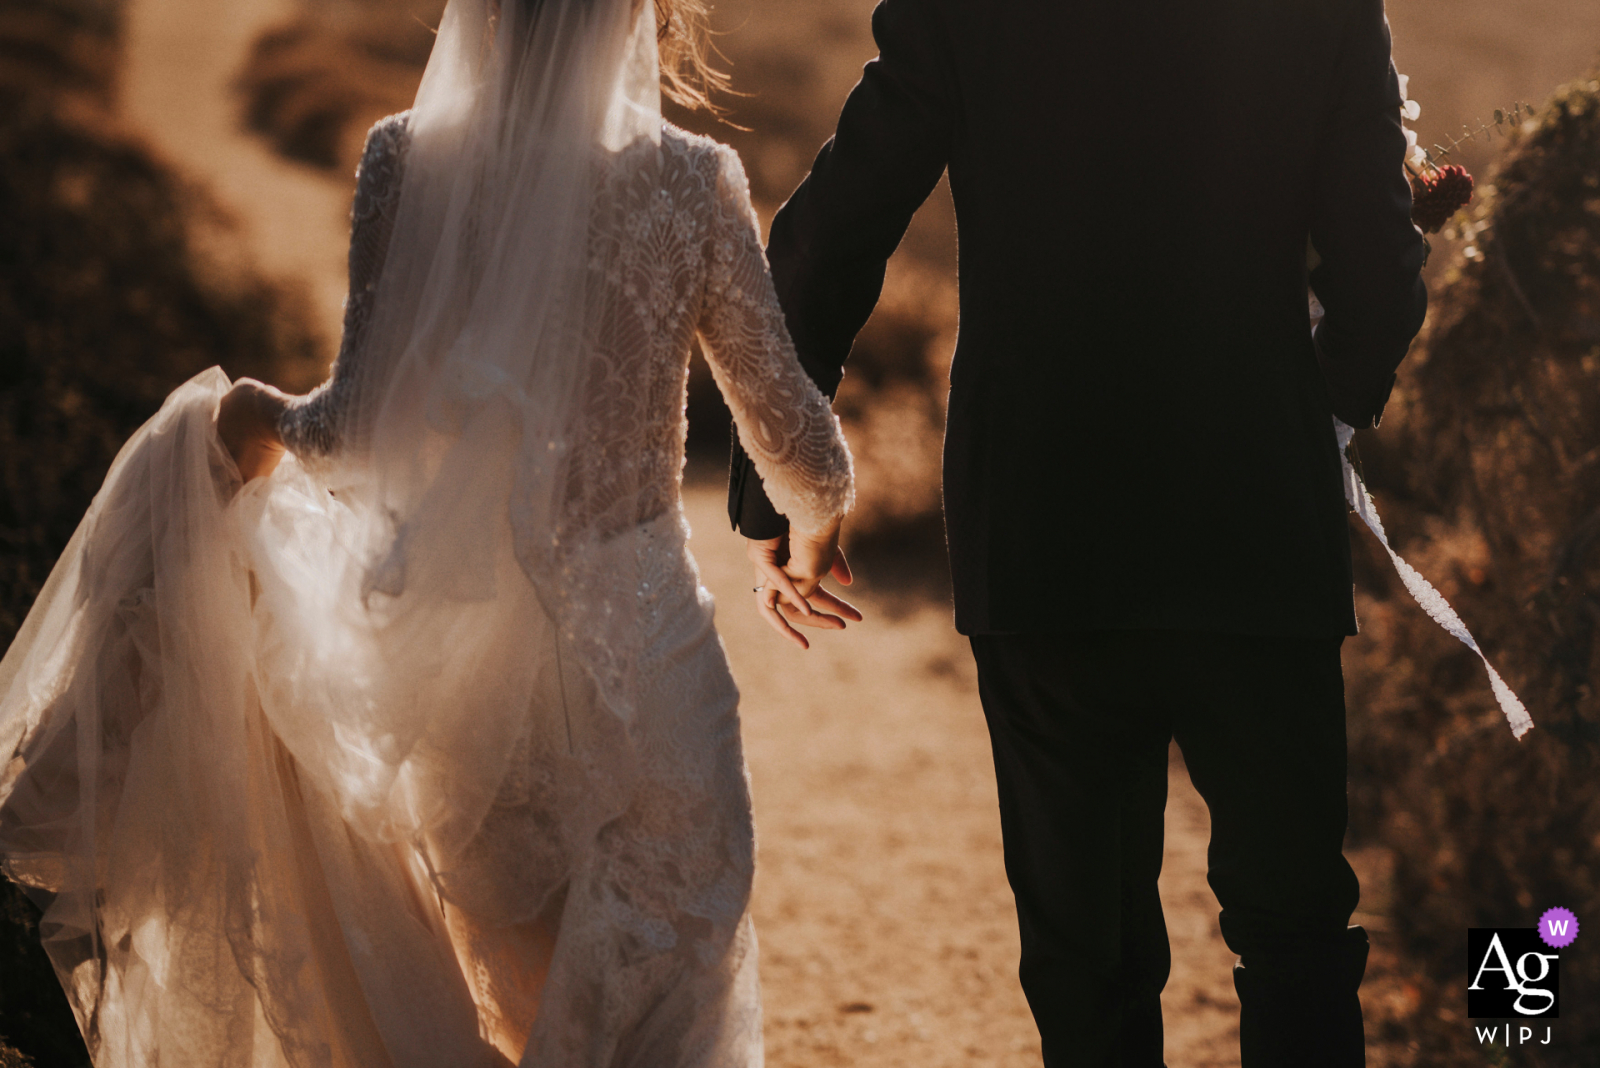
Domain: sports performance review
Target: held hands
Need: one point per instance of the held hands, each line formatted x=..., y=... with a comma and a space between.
x=247, y=423
x=789, y=574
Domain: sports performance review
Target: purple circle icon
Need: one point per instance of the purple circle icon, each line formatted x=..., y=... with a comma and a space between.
x=1558, y=927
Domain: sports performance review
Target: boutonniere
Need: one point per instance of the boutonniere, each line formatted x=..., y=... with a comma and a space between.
x=1440, y=189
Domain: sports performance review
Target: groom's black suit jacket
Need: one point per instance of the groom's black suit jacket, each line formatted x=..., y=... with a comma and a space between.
x=1139, y=431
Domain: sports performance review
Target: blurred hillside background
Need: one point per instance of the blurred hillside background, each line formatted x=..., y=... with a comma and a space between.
x=174, y=176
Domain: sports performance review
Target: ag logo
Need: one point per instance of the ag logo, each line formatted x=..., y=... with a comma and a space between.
x=1511, y=972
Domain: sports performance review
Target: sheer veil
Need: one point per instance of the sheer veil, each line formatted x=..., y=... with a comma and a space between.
x=216, y=678
x=463, y=405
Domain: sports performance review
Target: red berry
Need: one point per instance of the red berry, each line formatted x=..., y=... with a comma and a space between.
x=1438, y=196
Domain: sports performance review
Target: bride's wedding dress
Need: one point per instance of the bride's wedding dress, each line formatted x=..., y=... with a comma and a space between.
x=424, y=751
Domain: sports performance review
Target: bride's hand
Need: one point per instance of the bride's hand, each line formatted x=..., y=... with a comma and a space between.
x=789, y=572
x=247, y=423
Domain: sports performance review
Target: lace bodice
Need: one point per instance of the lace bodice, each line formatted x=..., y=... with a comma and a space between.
x=683, y=254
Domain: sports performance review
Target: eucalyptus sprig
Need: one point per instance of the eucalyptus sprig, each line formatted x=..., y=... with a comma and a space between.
x=1440, y=189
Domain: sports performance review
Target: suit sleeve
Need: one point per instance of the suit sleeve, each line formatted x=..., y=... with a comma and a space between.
x=830, y=243
x=1370, y=278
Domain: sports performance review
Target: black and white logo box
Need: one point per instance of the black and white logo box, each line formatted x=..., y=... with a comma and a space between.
x=1511, y=974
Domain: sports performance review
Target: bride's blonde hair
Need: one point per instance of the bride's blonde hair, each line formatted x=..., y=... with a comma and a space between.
x=683, y=33
x=683, y=36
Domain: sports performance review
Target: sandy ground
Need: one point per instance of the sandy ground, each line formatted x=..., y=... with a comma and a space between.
x=182, y=58
x=880, y=880
x=886, y=926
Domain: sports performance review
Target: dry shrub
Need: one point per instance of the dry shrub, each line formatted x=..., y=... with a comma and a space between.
x=314, y=84
x=106, y=304
x=104, y=308
x=57, y=48
x=1491, y=459
x=37, y=1028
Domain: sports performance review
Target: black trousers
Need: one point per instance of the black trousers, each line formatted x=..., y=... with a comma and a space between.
x=1080, y=724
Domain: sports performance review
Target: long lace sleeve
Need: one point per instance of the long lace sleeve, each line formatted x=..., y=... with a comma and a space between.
x=312, y=426
x=784, y=421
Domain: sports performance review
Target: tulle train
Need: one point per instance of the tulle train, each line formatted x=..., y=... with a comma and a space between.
x=248, y=855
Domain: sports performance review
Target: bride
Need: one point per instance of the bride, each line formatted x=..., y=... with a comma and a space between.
x=421, y=749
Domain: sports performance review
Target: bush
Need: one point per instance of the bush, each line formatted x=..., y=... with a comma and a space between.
x=314, y=84
x=108, y=300
x=1491, y=455
x=105, y=306
x=59, y=48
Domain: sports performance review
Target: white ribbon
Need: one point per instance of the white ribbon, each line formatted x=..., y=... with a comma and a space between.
x=1431, y=600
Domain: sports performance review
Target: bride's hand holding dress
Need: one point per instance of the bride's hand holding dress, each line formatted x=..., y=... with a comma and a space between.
x=247, y=424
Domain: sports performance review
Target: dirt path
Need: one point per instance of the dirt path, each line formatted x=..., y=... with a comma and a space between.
x=182, y=57
x=880, y=880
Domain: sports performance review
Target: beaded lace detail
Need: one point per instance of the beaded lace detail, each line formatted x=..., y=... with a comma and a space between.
x=685, y=257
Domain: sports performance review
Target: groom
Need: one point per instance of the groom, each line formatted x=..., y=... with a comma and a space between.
x=1147, y=532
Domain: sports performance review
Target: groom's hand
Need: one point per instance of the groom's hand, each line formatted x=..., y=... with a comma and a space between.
x=789, y=572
